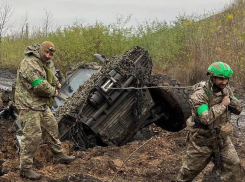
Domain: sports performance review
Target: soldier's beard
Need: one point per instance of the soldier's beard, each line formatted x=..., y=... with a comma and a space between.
x=218, y=88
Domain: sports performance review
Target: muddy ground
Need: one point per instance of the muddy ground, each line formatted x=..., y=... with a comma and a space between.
x=156, y=159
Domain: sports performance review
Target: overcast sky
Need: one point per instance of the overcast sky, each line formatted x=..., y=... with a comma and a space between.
x=66, y=12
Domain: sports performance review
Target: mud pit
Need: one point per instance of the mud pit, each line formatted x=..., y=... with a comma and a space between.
x=159, y=159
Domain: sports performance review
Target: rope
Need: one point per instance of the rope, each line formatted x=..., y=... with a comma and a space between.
x=239, y=127
x=138, y=88
x=129, y=157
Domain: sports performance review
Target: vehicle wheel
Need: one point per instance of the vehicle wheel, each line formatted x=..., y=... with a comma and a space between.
x=172, y=103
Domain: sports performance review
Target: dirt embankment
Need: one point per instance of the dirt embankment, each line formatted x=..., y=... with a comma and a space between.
x=156, y=159
x=159, y=159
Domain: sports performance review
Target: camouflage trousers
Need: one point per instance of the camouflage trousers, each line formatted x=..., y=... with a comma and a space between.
x=199, y=153
x=37, y=125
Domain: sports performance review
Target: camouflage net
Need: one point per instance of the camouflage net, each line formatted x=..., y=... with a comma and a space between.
x=125, y=65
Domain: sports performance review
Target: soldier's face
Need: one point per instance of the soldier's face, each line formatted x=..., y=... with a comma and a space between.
x=221, y=82
x=45, y=55
x=48, y=55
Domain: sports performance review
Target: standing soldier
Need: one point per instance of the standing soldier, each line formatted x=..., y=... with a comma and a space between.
x=210, y=128
x=35, y=88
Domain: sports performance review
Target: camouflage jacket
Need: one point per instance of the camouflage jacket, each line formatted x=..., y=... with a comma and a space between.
x=209, y=108
x=32, y=88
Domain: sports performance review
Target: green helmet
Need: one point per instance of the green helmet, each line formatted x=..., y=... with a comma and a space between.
x=220, y=69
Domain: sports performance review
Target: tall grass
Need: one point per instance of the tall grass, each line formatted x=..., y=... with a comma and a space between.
x=182, y=49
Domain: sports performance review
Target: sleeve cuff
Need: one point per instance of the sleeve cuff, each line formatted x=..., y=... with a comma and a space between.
x=223, y=107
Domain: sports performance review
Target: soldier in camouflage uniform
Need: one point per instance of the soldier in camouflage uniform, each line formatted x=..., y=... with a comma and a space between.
x=35, y=88
x=210, y=128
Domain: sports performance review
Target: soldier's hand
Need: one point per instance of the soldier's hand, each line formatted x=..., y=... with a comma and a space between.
x=56, y=93
x=225, y=91
x=58, y=86
x=226, y=100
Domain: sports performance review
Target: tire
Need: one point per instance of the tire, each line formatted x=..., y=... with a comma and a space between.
x=174, y=102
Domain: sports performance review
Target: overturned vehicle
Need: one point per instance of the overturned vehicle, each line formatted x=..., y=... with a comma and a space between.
x=108, y=105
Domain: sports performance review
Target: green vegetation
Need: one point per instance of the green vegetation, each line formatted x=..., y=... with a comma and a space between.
x=182, y=49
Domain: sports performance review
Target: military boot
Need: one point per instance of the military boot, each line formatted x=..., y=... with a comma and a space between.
x=61, y=158
x=30, y=174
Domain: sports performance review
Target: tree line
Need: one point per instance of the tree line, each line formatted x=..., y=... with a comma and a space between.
x=183, y=48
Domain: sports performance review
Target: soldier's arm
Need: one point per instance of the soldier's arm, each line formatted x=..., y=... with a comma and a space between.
x=199, y=102
x=32, y=74
x=235, y=106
